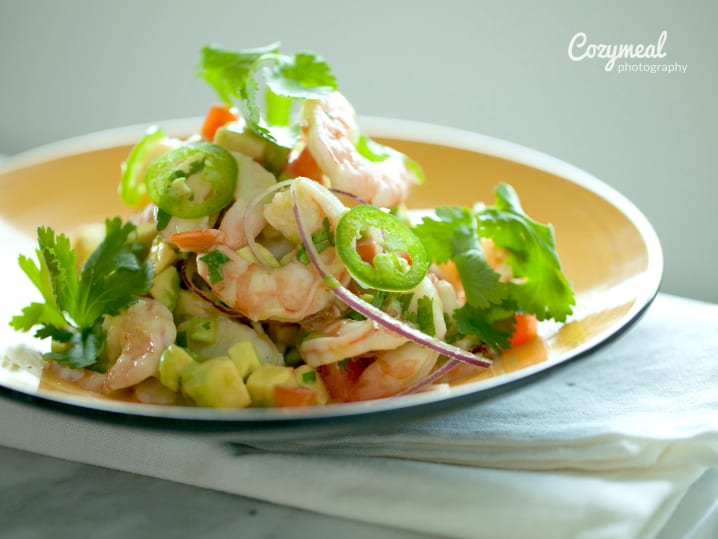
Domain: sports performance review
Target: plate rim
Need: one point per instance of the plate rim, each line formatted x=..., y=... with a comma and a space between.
x=207, y=419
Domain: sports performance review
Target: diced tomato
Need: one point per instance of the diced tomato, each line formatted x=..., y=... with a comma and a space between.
x=287, y=396
x=304, y=165
x=217, y=116
x=526, y=329
x=340, y=378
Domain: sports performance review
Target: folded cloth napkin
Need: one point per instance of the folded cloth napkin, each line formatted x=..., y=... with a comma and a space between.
x=621, y=443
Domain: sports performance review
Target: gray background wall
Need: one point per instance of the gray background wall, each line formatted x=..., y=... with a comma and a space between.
x=501, y=68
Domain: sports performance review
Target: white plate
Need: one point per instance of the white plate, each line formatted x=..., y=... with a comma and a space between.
x=608, y=249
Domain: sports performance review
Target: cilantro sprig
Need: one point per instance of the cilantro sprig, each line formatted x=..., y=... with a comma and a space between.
x=540, y=287
x=265, y=84
x=75, y=303
x=531, y=248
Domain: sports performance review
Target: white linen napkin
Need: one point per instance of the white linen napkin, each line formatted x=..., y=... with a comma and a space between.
x=617, y=444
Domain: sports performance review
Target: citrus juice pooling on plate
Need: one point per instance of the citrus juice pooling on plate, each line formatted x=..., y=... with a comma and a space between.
x=270, y=260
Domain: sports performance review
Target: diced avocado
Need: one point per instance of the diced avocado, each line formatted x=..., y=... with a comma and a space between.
x=165, y=287
x=162, y=254
x=245, y=358
x=146, y=233
x=307, y=377
x=200, y=328
x=262, y=381
x=215, y=383
x=235, y=138
x=275, y=157
x=173, y=362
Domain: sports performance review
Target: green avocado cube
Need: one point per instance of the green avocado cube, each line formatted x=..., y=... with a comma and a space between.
x=146, y=234
x=200, y=329
x=262, y=381
x=173, y=362
x=215, y=383
x=165, y=287
x=244, y=356
x=162, y=254
x=235, y=138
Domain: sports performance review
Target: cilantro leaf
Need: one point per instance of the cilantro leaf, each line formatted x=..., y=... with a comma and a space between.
x=437, y=235
x=265, y=85
x=545, y=290
x=304, y=75
x=60, y=261
x=85, y=347
x=37, y=314
x=539, y=287
x=54, y=333
x=251, y=110
x=227, y=71
x=481, y=282
x=215, y=260
x=371, y=150
x=425, y=315
x=471, y=320
x=454, y=237
x=375, y=152
x=111, y=279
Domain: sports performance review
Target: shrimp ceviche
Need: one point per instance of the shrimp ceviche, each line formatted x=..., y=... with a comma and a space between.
x=270, y=260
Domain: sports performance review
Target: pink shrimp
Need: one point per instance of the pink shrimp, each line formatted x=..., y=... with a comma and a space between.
x=345, y=338
x=331, y=135
x=135, y=341
x=393, y=371
x=84, y=378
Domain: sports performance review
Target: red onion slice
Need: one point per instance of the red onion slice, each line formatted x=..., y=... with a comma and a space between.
x=431, y=377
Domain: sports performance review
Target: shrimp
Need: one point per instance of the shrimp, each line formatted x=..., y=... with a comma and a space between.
x=345, y=338
x=176, y=225
x=331, y=135
x=135, y=341
x=288, y=291
x=393, y=371
x=84, y=378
